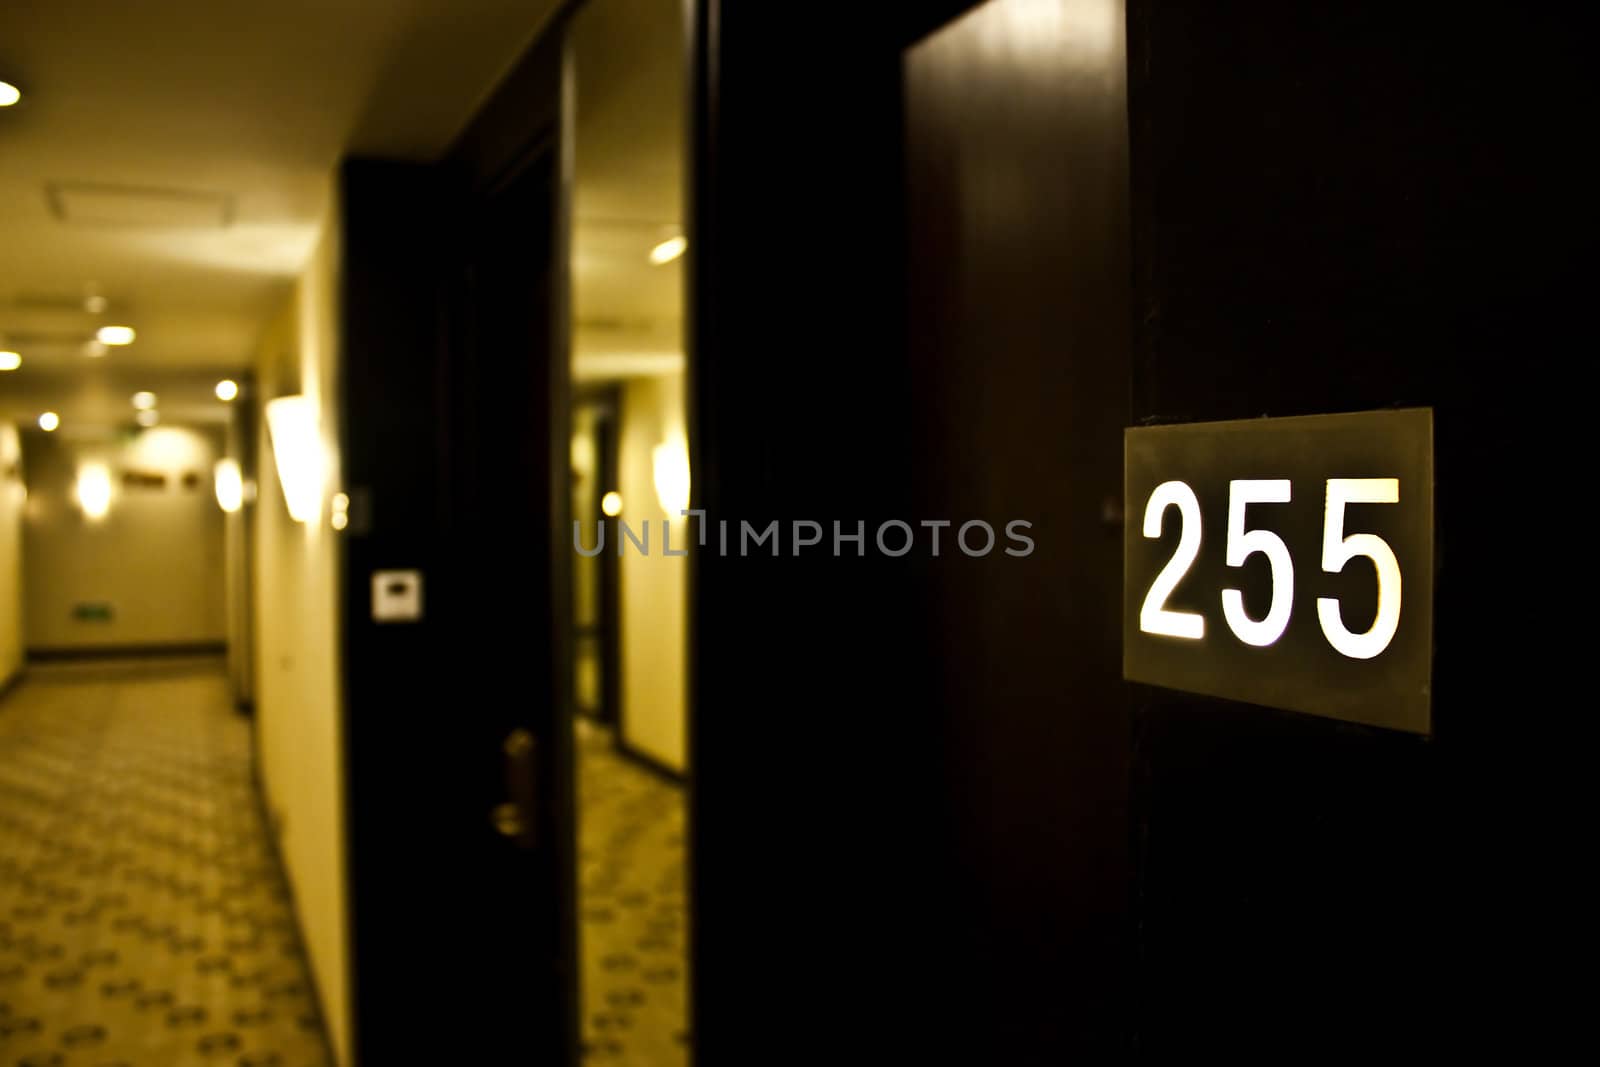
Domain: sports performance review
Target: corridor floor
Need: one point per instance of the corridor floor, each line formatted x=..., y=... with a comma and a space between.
x=143, y=919
x=631, y=901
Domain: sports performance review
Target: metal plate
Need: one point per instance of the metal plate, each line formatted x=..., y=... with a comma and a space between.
x=1376, y=682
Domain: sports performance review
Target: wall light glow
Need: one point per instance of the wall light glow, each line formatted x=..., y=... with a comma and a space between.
x=10, y=360
x=94, y=490
x=229, y=485
x=297, y=447
x=9, y=94
x=115, y=335
x=227, y=389
x=671, y=462
x=144, y=401
x=611, y=504
x=49, y=421
x=147, y=418
x=669, y=250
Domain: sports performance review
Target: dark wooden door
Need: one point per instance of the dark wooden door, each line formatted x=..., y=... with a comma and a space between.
x=920, y=762
x=510, y=374
x=1341, y=210
x=508, y=385
x=1018, y=312
x=458, y=738
x=1015, y=228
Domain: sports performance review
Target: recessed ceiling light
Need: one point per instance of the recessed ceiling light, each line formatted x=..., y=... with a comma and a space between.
x=669, y=250
x=9, y=94
x=115, y=335
x=144, y=401
x=227, y=389
x=148, y=417
x=10, y=360
x=49, y=421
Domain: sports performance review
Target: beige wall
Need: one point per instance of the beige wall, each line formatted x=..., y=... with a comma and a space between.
x=297, y=662
x=156, y=557
x=12, y=494
x=654, y=587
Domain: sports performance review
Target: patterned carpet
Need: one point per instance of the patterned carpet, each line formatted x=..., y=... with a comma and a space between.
x=143, y=918
x=144, y=921
x=631, y=899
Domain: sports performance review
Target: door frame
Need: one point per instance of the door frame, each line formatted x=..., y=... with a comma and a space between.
x=527, y=121
x=795, y=115
x=406, y=396
x=607, y=396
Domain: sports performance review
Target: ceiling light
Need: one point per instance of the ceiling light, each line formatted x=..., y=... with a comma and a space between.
x=227, y=389
x=115, y=335
x=144, y=401
x=10, y=360
x=669, y=250
x=147, y=418
x=611, y=504
x=49, y=421
x=94, y=305
x=9, y=94
x=94, y=349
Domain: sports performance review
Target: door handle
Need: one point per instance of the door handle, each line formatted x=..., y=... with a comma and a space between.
x=517, y=819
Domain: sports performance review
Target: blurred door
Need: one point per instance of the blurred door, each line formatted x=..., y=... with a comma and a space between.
x=596, y=498
x=511, y=454
x=971, y=779
x=1016, y=177
x=461, y=855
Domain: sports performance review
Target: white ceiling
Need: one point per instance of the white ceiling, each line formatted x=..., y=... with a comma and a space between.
x=220, y=124
x=238, y=110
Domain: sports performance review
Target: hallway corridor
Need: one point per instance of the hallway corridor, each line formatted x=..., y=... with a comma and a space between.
x=143, y=918
x=632, y=899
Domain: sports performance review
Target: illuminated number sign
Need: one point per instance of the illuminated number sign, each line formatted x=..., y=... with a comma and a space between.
x=1284, y=562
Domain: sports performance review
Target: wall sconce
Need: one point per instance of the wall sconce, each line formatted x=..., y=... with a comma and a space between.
x=297, y=447
x=671, y=462
x=94, y=490
x=230, y=485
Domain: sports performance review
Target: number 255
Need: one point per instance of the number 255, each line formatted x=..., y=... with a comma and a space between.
x=1337, y=550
